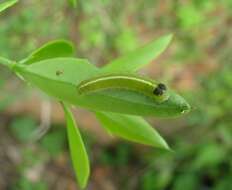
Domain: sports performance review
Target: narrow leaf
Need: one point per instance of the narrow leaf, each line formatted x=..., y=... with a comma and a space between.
x=53, y=49
x=132, y=128
x=77, y=149
x=140, y=57
x=7, y=4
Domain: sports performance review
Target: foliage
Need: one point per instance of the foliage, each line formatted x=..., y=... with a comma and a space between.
x=124, y=126
x=200, y=51
x=7, y=4
x=64, y=88
x=23, y=128
x=77, y=149
x=25, y=184
x=57, y=80
x=54, y=142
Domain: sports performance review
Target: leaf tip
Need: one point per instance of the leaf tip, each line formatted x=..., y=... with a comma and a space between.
x=84, y=182
x=168, y=38
x=162, y=144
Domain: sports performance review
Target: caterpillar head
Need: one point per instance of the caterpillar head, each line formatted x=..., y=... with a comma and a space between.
x=160, y=89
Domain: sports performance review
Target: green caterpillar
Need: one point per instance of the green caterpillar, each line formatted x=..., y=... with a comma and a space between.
x=149, y=88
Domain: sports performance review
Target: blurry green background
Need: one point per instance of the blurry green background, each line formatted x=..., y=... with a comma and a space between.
x=197, y=64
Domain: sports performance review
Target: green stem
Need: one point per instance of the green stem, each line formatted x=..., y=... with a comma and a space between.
x=8, y=63
x=4, y=61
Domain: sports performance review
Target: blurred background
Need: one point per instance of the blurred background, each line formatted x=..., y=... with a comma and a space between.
x=197, y=64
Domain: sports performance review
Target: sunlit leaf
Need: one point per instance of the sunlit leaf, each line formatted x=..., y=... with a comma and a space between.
x=132, y=128
x=7, y=4
x=140, y=57
x=59, y=78
x=53, y=49
x=77, y=149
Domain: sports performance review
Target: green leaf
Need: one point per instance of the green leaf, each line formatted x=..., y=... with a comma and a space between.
x=7, y=4
x=186, y=179
x=23, y=128
x=77, y=149
x=189, y=16
x=132, y=128
x=209, y=155
x=73, y=2
x=79, y=67
x=53, y=49
x=54, y=142
x=140, y=57
x=64, y=87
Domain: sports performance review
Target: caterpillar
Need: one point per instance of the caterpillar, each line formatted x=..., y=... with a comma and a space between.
x=150, y=88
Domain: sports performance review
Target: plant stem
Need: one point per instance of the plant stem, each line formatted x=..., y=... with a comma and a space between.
x=8, y=63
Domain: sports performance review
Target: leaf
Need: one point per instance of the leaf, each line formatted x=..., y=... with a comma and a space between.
x=63, y=87
x=54, y=142
x=53, y=49
x=77, y=149
x=186, y=179
x=132, y=128
x=140, y=57
x=81, y=66
x=73, y=3
x=7, y=4
x=209, y=155
x=23, y=128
